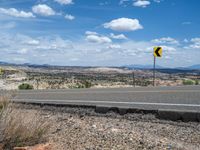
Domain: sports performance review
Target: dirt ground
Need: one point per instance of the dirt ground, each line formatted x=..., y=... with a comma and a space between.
x=83, y=129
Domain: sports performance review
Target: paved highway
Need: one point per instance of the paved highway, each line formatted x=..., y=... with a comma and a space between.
x=150, y=98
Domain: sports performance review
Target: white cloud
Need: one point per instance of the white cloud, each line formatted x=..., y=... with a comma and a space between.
x=91, y=33
x=16, y=13
x=32, y=42
x=123, y=24
x=195, y=43
x=121, y=2
x=41, y=50
x=114, y=46
x=98, y=39
x=43, y=9
x=94, y=37
x=64, y=2
x=141, y=3
x=23, y=51
x=195, y=40
x=157, y=1
x=69, y=17
x=168, y=49
x=185, y=40
x=165, y=40
x=119, y=36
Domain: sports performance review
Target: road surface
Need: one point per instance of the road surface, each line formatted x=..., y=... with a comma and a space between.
x=150, y=98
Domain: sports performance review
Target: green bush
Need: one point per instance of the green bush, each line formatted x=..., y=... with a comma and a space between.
x=196, y=82
x=82, y=84
x=25, y=86
x=87, y=84
x=188, y=82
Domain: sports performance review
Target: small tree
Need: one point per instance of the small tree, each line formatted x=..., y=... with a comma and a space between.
x=188, y=82
x=25, y=86
x=87, y=84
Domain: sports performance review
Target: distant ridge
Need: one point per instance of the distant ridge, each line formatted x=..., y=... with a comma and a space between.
x=142, y=66
x=195, y=66
x=136, y=66
x=25, y=64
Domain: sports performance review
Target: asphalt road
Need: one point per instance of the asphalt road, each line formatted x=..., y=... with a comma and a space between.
x=151, y=98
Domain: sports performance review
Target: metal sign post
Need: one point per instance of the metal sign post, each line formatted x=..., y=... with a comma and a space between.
x=157, y=53
x=154, y=70
x=133, y=75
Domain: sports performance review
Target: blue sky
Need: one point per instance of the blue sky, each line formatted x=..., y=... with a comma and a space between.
x=100, y=32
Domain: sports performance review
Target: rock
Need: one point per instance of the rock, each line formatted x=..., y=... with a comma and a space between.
x=1, y=146
x=36, y=147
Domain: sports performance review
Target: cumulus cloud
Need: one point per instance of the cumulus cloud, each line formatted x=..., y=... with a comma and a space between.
x=91, y=33
x=22, y=51
x=56, y=50
x=69, y=17
x=141, y=3
x=64, y=2
x=118, y=37
x=32, y=42
x=123, y=24
x=98, y=39
x=43, y=10
x=94, y=37
x=195, y=40
x=114, y=46
x=16, y=13
x=165, y=40
x=168, y=49
x=195, y=43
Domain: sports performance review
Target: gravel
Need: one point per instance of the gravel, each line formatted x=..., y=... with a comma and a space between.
x=74, y=128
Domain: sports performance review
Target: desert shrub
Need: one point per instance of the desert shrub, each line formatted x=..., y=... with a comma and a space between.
x=81, y=84
x=87, y=84
x=25, y=86
x=18, y=128
x=3, y=102
x=196, y=82
x=188, y=82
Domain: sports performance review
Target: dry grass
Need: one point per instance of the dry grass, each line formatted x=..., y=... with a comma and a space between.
x=19, y=129
x=4, y=101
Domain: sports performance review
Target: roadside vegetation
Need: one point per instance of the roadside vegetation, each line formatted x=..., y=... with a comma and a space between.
x=19, y=129
x=25, y=86
x=189, y=82
x=3, y=103
x=196, y=82
x=80, y=77
x=82, y=84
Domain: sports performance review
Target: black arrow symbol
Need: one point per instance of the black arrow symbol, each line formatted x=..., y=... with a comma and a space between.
x=157, y=51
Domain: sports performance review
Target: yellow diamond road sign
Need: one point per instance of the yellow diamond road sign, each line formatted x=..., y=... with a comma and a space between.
x=157, y=52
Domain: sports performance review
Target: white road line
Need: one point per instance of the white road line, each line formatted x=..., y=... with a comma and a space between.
x=105, y=102
x=110, y=92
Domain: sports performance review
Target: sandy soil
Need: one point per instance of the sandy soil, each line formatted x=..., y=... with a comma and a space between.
x=83, y=129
